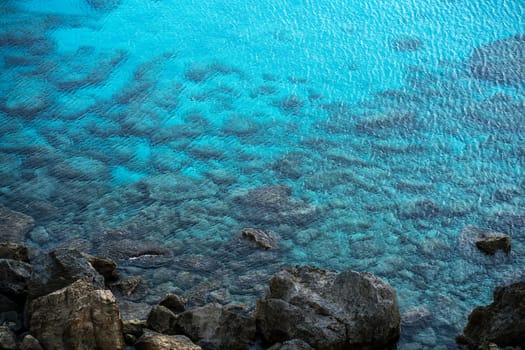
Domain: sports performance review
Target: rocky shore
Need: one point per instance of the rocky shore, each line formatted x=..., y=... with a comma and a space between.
x=67, y=299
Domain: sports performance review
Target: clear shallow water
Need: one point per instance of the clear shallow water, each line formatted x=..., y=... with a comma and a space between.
x=157, y=117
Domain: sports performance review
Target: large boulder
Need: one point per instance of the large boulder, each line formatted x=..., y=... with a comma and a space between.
x=58, y=269
x=156, y=341
x=329, y=310
x=501, y=323
x=77, y=317
x=14, y=225
x=502, y=61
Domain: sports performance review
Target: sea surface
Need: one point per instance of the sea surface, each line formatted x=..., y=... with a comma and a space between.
x=366, y=135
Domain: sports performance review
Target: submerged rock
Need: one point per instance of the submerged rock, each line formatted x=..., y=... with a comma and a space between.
x=14, y=225
x=174, y=302
x=77, y=317
x=294, y=344
x=406, y=44
x=263, y=238
x=349, y=310
x=501, y=323
x=488, y=241
x=502, y=61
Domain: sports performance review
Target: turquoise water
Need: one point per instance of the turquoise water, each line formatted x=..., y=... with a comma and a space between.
x=160, y=118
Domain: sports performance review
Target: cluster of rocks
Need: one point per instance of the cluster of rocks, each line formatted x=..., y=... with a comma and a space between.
x=62, y=300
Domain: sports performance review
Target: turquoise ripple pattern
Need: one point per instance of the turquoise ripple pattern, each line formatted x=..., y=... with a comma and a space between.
x=364, y=134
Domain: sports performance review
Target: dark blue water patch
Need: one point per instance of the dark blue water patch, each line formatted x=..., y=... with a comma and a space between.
x=502, y=61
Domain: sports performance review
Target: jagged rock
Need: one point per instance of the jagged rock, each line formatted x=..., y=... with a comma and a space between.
x=473, y=239
x=14, y=225
x=349, y=310
x=77, y=317
x=217, y=327
x=133, y=287
x=174, y=302
x=104, y=266
x=162, y=320
x=14, y=276
x=134, y=327
x=294, y=344
x=7, y=339
x=30, y=343
x=263, y=238
x=14, y=251
x=490, y=245
x=58, y=269
x=155, y=341
x=501, y=323
x=133, y=311
x=502, y=61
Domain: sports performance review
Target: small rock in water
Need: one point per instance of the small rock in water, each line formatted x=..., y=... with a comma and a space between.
x=489, y=245
x=263, y=238
x=173, y=302
x=406, y=44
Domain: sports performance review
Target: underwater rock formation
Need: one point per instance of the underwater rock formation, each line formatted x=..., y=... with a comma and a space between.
x=349, y=310
x=14, y=225
x=501, y=323
x=502, y=61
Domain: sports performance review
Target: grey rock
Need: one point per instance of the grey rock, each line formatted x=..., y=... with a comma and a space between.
x=162, y=320
x=263, y=238
x=104, y=266
x=58, y=269
x=217, y=327
x=134, y=327
x=349, y=310
x=174, y=302
x=30, y=343
x=77, y=317
x=155, y=341
x=14, y=225
x=14, y=276
x=7, y=339
x=138, y=253
x=473, y=239
x=501, y=323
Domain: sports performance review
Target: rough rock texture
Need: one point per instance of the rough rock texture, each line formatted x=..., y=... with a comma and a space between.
x=174, y=302
x=104, y=266
x=60, y=268
x=263, y=238
x=14, y=225
x=502, y=61
x=349, y=310
x=134, y=327
x=502, y=322
x=162, y=320
x=77, y=317
x=14, y=276
x=294, y=344
x=30, y=343
x=155, y=341
x=7, y=339
x=215, y=327
x=490, y=245
x=14, y=251
x=136, y=252
x=473, y=239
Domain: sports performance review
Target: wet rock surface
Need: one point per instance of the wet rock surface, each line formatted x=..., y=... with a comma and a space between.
x=501, y=323
x=264, y=239
x=329, y=310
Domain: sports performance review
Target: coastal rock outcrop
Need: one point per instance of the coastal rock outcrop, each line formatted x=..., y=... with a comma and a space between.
x=474, y=239
x=329, y=310
x=501, y=323
x=78, y=316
